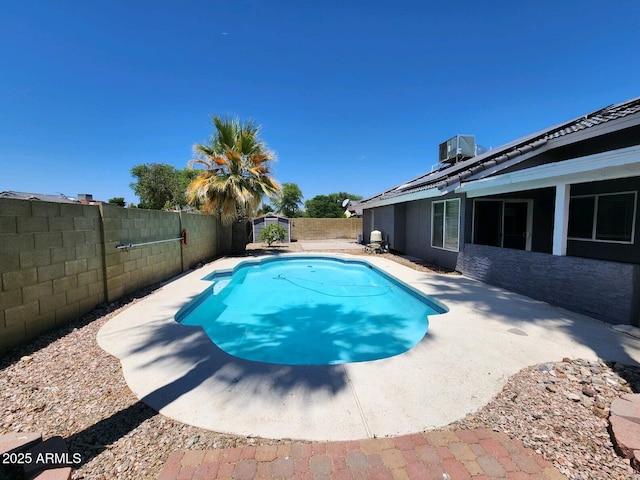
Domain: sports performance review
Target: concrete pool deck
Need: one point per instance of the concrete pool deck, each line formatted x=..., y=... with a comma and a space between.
x=462, y=362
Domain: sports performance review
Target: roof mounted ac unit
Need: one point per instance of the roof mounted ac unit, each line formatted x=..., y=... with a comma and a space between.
x=457, y=148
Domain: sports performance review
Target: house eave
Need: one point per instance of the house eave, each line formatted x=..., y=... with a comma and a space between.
x=614, y=118
x=596, y=131
x=408, y=197
x=609, y=165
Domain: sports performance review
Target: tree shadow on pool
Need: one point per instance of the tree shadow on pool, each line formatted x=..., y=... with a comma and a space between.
x=190, y=359
x=168, y=346
x=317, y=334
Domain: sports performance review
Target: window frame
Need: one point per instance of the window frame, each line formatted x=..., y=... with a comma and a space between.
x=444, y=225
x=594, y=224
x=503, y=201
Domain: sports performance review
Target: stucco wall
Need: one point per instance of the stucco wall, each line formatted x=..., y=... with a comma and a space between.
x=407, y=226
x=58, y=261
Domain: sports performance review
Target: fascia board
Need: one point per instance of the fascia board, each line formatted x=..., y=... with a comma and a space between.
x=620, y=163
x=509, y=163
x=408, y=197
x=596, y=131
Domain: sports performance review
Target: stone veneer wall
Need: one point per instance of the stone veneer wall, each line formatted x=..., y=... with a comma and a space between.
x=324, y=228
x=609, y=291
x=58, y=261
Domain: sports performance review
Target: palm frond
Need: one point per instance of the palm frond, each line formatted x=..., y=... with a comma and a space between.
x=236, y=173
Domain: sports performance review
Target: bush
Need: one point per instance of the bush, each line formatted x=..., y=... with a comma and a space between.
x=272, y=233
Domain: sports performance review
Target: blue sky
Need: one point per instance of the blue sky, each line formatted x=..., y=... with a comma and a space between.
x=352, y=96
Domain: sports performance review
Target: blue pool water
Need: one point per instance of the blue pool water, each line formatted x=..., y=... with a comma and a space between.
x=310, y=311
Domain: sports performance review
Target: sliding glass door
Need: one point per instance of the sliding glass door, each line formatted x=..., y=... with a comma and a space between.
x=503, y=223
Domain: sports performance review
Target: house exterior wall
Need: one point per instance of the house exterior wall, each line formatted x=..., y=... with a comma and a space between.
x=543, y=214
x=601, y=280
x=418, y=222
x=400, y=228
x=606, y=290
x=407, y=227
x=367, y=224
x=59, y=260
x=384, y=220
x=391, y=221
x=617, y=252
x=593, y=155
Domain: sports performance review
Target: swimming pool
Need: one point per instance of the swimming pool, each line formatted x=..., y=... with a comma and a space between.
x=310, y=311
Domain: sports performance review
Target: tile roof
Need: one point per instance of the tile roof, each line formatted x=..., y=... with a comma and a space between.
x=442, y=178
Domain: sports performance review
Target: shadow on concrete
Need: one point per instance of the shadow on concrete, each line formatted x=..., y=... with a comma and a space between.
x=517, y=310
x=190, y=346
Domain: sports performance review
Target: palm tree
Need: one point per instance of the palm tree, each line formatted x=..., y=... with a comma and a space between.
x=236, y=171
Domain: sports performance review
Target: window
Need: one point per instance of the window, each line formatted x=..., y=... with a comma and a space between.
x=445, y=224
x=604, y=218
x=503, y=223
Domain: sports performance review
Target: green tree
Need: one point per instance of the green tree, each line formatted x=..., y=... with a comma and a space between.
x=236, y=173
x=272, y=233
x=289, y=200
x=264, y=209
x=328, y=206
x=118, y=201
x=161, y=186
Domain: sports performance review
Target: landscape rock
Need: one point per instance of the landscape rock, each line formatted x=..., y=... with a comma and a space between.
x=570, y=429
x=624, y=424
x=626, y=434
x=574, y=397
x=74, y=389
x=627, y=405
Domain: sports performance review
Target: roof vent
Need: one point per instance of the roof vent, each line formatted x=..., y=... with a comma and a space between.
x=457, y=149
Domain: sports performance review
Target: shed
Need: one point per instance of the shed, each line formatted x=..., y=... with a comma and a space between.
x=260, y=223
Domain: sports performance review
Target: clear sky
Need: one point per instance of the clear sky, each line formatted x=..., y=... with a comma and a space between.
x=352, y=95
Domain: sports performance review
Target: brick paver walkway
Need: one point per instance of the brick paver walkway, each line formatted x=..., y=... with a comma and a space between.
x=459, y=455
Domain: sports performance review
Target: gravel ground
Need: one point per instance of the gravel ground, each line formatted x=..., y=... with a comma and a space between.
x=561, y=410
x=65, y=384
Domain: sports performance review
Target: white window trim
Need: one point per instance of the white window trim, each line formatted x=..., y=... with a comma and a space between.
x=595, y=219
x=444, y=226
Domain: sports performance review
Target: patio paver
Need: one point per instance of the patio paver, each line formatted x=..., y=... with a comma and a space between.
x=463, y=454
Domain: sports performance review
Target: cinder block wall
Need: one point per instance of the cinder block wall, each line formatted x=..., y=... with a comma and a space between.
x=324, y=228
x=129, y=269
x=58, y=261
x=50, y=266
x=604, y=290
x=204, y=239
